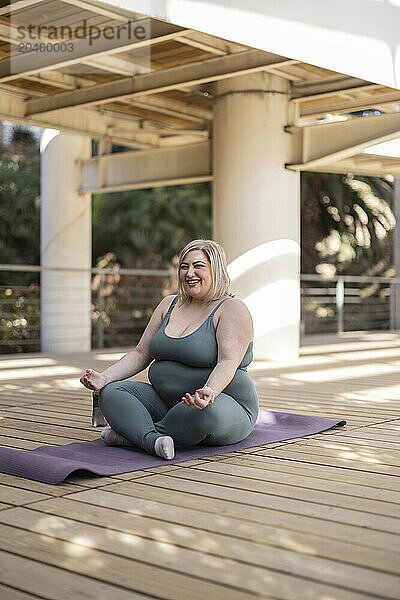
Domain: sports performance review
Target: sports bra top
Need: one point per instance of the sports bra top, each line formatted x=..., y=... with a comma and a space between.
x=197, y=349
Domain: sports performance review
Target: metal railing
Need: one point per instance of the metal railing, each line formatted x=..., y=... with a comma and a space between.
x=349, y=303
x=122, y=301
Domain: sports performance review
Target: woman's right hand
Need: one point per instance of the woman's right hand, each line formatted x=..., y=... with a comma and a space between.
x=93, y=380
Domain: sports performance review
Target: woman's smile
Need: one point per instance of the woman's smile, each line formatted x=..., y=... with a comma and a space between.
x=193, y=282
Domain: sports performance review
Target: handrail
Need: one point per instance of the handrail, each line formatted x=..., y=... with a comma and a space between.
x=96, y=270
x=324, y=303
x=170, y=272
x=350, y=278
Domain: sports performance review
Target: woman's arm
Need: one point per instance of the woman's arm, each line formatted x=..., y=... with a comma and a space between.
x=134, y=361
x=234, y=333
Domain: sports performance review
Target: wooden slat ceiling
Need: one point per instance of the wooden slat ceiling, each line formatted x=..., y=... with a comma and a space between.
x=316, y=91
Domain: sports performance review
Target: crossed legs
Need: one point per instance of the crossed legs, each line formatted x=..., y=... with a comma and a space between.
x=136, y=411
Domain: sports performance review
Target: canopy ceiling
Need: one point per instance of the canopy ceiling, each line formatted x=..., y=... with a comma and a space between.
x=157, y=89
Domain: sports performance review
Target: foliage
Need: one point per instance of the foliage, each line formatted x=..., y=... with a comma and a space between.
x=20, y=204
x=20, y=318
x=347, y=223
x=20, y=242
x=147, y=228
x=122, y=304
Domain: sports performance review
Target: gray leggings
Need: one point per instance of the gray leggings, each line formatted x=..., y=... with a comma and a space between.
x=135, y=410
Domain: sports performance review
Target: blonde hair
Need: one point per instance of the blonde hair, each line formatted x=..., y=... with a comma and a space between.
x=216, y=257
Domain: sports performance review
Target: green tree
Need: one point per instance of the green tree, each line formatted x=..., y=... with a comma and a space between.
x=148, y=227
x=19, y=242
x=347, y=222
x=20, y=200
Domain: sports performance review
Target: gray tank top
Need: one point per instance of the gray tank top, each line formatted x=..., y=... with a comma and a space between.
x=197, y=349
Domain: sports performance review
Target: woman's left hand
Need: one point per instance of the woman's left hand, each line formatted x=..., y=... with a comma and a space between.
x=200, y=399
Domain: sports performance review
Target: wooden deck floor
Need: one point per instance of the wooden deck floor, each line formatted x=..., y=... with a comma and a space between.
x=314, y=518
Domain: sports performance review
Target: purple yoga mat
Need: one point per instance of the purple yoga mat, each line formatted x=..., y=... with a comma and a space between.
x=52, y=464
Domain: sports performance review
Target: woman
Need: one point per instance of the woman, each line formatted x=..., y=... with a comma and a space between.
x=199, y=390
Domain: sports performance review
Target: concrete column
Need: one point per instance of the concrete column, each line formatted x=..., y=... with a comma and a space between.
x=397, y=252
x=256, y=207
x=66, y=243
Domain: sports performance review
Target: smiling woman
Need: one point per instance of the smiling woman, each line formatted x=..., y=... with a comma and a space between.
x=199, y=391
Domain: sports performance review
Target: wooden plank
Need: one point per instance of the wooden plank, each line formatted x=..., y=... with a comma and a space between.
x=213, y=475
x=344, y=387
x=304, y=401
x=49, y=398
x=356, y=441
x=329, y=398
x=87, y=479
x=288, y=568
x=128, y=573
x=40, y=398
x=46, y=408
x=310, y=543
x=389, y=426
x=351, y=399
x=18, y=497
x=12, y=594
x=51, y=411
x=368, y=433
x=348, y=463
x=255, y=498
x=330, y=448
x=346, y=414
x=336, y=436
x=55, y=581
x=18, y=444
x=37, y=437
x=63, y=427
x=36, y=486
x=350, y=490
x=372, y=480
x=260, y=516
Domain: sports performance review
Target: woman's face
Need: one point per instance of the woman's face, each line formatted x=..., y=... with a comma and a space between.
x=195, y=274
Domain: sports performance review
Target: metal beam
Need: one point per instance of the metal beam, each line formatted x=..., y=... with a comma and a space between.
x=80, y=121
x=328, y=86
x=159, y=81
x=174, y=108
x=143, y=126
x=334, y=103
x=30, y=63
x=372, y=167
x=332, y=142
x=135, y=170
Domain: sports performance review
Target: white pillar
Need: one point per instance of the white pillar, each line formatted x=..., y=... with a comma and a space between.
x=396, y=303
x=256, y=207
x=66, y=243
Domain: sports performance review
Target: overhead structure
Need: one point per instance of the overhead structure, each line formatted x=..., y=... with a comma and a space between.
x=246, y=94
